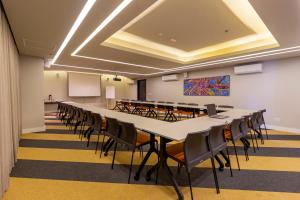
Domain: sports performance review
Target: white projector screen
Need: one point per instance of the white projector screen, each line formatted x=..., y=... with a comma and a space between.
x=84, y=85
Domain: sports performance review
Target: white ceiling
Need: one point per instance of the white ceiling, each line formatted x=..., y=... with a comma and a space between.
x=40, y=27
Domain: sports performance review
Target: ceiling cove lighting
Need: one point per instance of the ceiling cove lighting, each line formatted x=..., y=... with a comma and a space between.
x=243, y=10
x=102, y=70
x=233, y=59
x=87, y=7
x=112, y=15
x=200, y=65
x=85, y=73
x=118, y=62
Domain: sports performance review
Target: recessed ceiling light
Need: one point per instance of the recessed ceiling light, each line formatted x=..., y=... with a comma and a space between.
x=173, y=40
x=87, y=7
x=160, y=34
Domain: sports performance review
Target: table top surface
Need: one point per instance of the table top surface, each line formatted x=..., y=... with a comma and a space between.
x=172, y=130
x=200, y=107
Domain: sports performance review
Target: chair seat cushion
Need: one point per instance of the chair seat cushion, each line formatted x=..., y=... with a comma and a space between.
x=176, y=151
x=104, y=124
x=182, y=112
x=227, y=134
x=142, y=138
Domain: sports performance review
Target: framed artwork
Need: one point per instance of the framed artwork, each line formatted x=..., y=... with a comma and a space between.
x=210, y=86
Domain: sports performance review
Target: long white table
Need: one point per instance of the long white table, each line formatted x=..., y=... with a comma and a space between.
x=175, y=105
x=171, y=130
x=167, y=131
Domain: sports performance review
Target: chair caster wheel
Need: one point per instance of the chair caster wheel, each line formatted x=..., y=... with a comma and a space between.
x=136, y=177
x=227, y=164
x=221, y=169
x=148, y=178
x=105, y=154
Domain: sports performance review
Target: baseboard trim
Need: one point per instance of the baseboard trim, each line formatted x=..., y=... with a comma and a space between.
x=282, y=128
x=32, y=130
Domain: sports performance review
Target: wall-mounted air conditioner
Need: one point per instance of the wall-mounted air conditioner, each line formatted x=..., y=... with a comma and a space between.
x=248, y=69
x=172, y=77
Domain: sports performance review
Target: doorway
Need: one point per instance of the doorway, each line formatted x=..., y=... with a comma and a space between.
x=141, y=90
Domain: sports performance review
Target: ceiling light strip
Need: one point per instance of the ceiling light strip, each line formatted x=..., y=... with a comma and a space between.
x=118, y=62
x=87, y=7
x=293, y=49
x=112, y=15
x=103, y=70
x=243, y=56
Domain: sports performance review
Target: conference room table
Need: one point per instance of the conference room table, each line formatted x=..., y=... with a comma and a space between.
x=167, y=131
x=151, y=104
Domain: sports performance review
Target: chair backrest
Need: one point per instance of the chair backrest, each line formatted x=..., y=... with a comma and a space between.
x=260, y=118
x=235, y=129
x=196, y=148
x=97, y=121
x=245, y=125
x=254, y=121
x=128, y=133
x=211, y=109
x=113, y=128
x=88, y=118
x=225, y=106
x=217, y=139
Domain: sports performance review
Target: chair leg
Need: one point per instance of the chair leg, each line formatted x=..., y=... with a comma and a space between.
x=262, y=137
x=97, y=142
x=237, y=159
x=266, y=131
x=190, y=184
x=231, y=174
x=215, y=174
x=157, y=170
x=255, y=139
x=130, y=169
x=251, y=136
x=102, y=145
x=113, y=161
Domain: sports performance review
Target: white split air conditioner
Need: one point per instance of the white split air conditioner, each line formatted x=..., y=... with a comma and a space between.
x=249, y=69
x=172, y=77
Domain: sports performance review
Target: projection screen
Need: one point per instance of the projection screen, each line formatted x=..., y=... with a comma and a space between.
x=84, y=85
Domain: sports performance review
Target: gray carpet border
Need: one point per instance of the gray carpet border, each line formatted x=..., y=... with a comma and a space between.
x=275, y=181
x=82, y=145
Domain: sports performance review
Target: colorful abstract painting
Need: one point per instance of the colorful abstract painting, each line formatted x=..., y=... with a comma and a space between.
x=211, y=86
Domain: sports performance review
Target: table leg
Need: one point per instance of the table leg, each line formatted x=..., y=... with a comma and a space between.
x=150, y=151
x=162, y=164
x=167, y=115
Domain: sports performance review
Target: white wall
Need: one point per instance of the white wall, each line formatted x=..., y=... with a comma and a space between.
x=276, y=89
x=56, y=84
x=32, y=86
